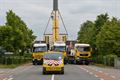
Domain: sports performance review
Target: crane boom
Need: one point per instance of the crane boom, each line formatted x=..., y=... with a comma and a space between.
x=55, y=21
x=56, y=35
x=55, y=5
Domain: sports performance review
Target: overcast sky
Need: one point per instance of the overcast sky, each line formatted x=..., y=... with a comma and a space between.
x=35, y=13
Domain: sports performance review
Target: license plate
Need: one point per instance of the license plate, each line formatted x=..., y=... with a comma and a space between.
x=53, y=69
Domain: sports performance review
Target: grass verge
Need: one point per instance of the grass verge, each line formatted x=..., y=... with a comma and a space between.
x=9, y=66
x=102, y=65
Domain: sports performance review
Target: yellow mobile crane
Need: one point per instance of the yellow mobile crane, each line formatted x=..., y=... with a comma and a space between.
x=56, y=41
x=38, y=51
x=83, y=53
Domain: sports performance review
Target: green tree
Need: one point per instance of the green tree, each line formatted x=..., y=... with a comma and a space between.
x=108, y=39
x=100, y=21
x=16, y=34
x=86, y=33
x=89, y=30
x=26, y=36
x=6, y=37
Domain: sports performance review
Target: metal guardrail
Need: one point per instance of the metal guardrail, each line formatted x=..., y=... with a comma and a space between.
x=117, y=63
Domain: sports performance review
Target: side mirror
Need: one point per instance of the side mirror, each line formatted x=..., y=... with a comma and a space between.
x=90, y=49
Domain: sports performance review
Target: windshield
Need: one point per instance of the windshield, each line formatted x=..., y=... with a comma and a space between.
x=83, y=49
x=40, y=49
x=59, y=48
x=53, y=56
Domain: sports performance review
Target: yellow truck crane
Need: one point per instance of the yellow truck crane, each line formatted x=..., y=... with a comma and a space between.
x=61, y=47
x=83, y=53
x=39, y=50
x=56, y=37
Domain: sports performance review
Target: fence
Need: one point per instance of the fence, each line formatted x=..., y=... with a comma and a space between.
x=106, y=60
x=117, y=63
x=8, y=60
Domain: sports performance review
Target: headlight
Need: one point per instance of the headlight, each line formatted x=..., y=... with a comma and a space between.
x=78, y=58
x=45, y=62
x=33, y=59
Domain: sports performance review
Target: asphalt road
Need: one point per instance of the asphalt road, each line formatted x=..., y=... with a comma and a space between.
x=72, y=72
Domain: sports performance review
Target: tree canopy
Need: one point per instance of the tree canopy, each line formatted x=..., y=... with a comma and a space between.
x=15, y=35
x=103, y=34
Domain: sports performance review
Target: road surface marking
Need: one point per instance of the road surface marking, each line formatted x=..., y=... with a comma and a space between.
x=52, y=78
x=82, y=68
x=10, y=79
x=113, y=76
x=101, y=79
x=90, y=73
x=101, y=74
x=100, y=71
x=87, y=71
x=5, y=79
x=96, y=76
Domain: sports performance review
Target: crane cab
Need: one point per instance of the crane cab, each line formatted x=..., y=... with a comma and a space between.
x=83, y=53
x=39, y=50
x=60, y=47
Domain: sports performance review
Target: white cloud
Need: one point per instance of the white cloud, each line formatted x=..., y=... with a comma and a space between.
x=36, y=12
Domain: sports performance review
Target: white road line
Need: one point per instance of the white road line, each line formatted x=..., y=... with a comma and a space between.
x=52, y=78
x=10, y=79
x=101, y=79
x=96, y=76
x=113, y=76
x=86, y=70
x=5, y=79
x=100, y=71
x=81, y=68
x=90, y=73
